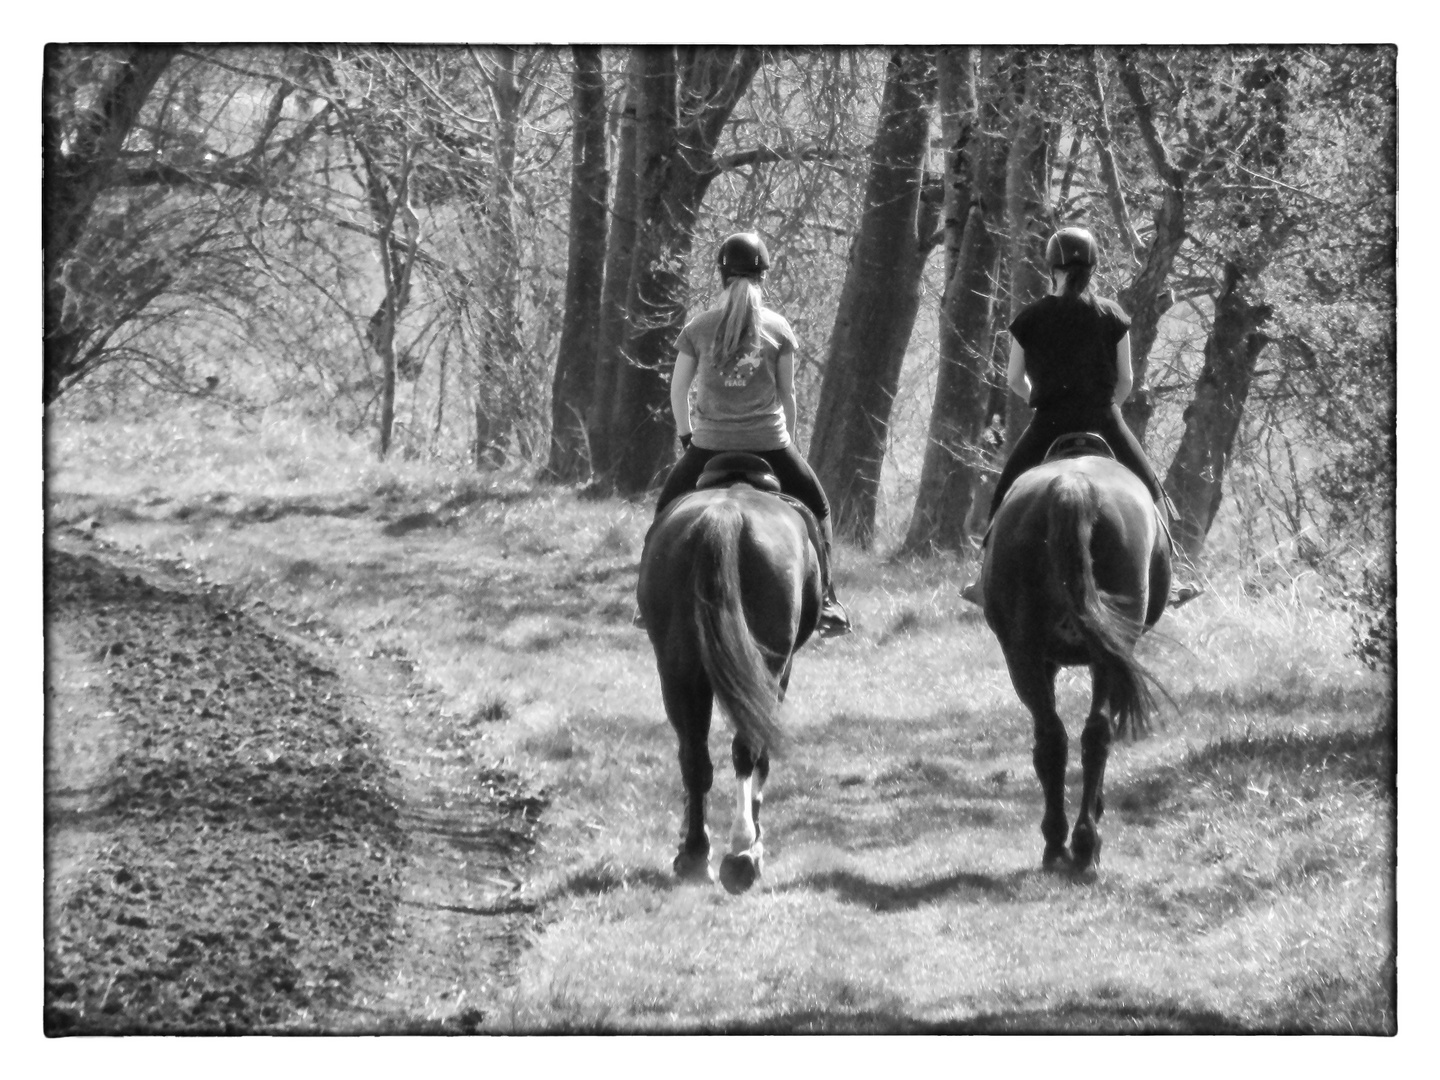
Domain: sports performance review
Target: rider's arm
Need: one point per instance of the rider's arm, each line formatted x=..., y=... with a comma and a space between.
x=1015, y=373
x=680, y=381
x=785, y=383
x=1124, y=377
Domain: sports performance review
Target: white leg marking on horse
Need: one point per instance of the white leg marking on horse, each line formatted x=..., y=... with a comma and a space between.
x=742, y=831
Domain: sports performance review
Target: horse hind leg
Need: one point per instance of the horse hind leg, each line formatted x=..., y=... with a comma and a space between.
x=689, y=710
x=1034, y=683
x=1094, y=754
x=743, y=865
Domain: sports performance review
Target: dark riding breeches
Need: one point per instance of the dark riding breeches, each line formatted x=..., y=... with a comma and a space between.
x=791, y=469
x=1047, y=425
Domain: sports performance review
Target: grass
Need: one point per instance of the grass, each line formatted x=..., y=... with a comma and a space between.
x=1247, y=880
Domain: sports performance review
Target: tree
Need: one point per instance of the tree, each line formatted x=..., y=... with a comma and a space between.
x=570, y=457
x=1146, y=297
x=974, y=193
x=1258, y=228
x=683, y=100
x=83, y=142
x=619, y=258
x=879, y=299
x=1008, y=165
x=385, y=146
x=511, y=80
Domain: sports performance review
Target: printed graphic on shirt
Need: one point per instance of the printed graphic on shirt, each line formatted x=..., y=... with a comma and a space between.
x=743, y=370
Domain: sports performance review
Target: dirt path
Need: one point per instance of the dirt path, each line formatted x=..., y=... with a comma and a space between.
x=254, y=829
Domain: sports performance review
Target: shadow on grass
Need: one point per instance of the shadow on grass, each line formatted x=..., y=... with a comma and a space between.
x=1075, y=1018
x=1232, y=699
x=411, y=510
x=1349, y=756
x=852, y=888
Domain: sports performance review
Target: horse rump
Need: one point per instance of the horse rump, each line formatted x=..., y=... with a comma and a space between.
x=739, y=667
x=1107, y=633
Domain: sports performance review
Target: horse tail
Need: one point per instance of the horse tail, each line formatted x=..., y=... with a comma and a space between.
x=1107, y=631
x=737, y=665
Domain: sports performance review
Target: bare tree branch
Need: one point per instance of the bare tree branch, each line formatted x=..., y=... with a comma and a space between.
x=769, y=155
x=1145, y=118
x=1108, y=171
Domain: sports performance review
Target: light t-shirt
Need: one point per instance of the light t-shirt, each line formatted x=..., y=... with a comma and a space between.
x=738, y=408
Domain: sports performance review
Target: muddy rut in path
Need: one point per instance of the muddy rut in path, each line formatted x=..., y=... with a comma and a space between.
x=251, y=829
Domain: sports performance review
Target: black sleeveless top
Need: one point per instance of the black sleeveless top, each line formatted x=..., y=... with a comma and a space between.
x=1070, y=351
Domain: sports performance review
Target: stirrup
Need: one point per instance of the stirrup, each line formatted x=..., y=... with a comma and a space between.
x=1182, y=595
x=834, y=620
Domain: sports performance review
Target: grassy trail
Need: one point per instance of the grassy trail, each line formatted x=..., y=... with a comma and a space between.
x=1247, y=878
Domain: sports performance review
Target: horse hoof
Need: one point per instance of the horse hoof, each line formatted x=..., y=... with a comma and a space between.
x=694, y=866
x=1085, y=849
x=739, y=872
x=1056, y=859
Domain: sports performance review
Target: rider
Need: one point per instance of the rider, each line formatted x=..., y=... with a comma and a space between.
x=1070, y=358
x=741, y=357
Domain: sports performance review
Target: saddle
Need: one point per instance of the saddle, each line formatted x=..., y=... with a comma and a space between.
x=1079, y=444
x=738, y=467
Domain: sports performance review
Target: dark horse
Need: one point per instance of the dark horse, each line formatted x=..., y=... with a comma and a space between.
x=730, y=588
x=1077, y=567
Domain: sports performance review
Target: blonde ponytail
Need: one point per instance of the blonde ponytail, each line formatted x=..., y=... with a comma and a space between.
x=740, y=324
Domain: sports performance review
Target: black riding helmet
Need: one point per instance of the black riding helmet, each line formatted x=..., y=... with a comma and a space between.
x=1071, y=246
x=743, y=255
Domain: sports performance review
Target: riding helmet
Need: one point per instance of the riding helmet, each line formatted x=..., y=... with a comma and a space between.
x=743, y=255
x=1071, y=246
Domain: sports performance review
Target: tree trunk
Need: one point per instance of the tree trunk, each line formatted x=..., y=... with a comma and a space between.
x=685, y=98
x=1146, y=299
x=75, y=176
x=494, y=415
x=878, y=301
x=619, y=260
x=570, y=457
x=953, y=460
x=1028, y=221
x=396, y=263
x=1212, y=419
x=641, y=427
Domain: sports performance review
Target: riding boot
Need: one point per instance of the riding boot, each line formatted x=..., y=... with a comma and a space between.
x=834, y=619
x=1183, y=586
x=971, y=591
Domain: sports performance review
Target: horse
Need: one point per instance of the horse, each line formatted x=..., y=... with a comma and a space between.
x=729, y=590
x=1076, y=568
